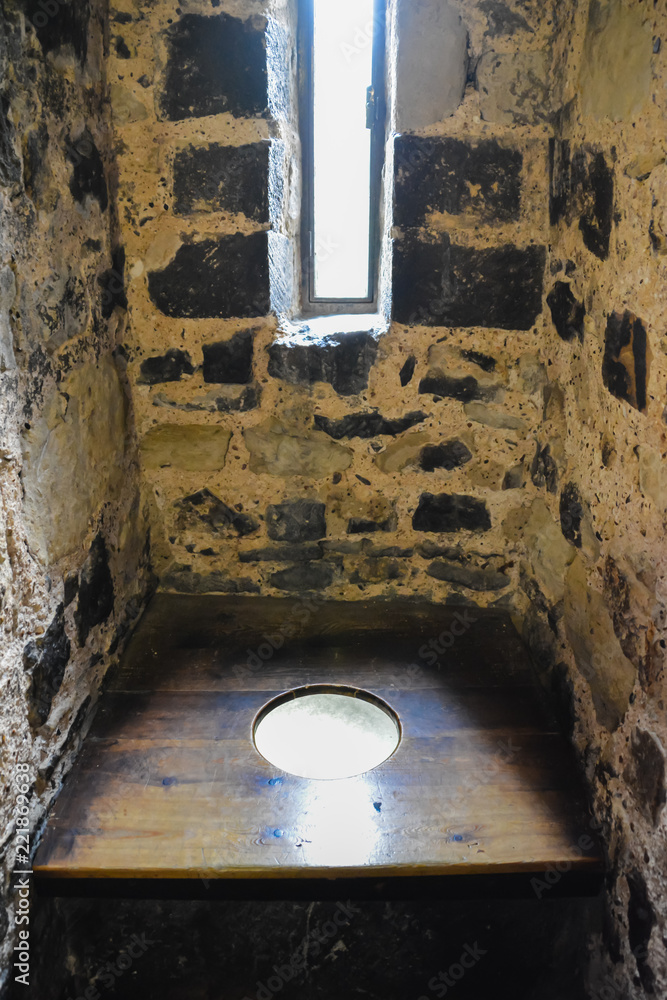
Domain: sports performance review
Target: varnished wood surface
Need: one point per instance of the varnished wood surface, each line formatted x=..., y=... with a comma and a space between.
x=169, y=784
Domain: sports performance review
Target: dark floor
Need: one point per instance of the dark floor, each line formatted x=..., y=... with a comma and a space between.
x=524, y=949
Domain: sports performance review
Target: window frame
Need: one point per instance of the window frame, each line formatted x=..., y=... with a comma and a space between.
x=310, y=305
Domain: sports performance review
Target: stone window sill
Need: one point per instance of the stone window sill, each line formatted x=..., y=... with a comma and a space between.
x=316, y=329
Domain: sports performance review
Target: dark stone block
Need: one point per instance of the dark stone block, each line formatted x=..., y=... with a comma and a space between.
x=447, y=175
x=582, y=184
x=408, y=370
x=483, y=361
x=87, y=178
x=645, y=775
x=367, y=425
x=449, y=455
x=543, y=470
x=464, y=389
x=388, y=552
x=366, y=526
x=10, y=165
x=112, y=283
x=185, y=581
x=215, y=65
x=624, y=364
x=344, y=360
x=4, y=922
x=441, y=284
x=219, y=279
x=166, y=367
x=298, y=521
x=472, y=577
x=514, y=478
x=70, y=588
x=122, y=50
x=571, y=514
x=641, y=921
x=249, y=399
x=223, y=178
x=230, y=361
x=450, y=512
x=46, y=659
x=283, y=553
x=566, y=312
x=303, y=577
x=206, y=508
x=59, y=25
x=96, y=593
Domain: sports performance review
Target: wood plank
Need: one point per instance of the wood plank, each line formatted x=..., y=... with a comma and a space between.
x=169, y=784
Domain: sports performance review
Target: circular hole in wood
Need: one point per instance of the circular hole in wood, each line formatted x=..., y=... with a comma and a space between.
x=326, y=731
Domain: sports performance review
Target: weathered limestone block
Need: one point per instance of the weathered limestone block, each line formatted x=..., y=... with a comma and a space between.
x=472, y=577
x=342, y=360
x=549, y=554
x=280, y=451
x=296, y=521
x=448, y=455
x=191, y=447
x=185, y=580
x=446, y=175
x=402, y=453
x=125, y=107
x=73, y=458
x=215, y=64
x=437, y=283
x=514, y=88
x=450, y=512
x=493, y=417
x=598, y=654
x=615, y=79
x=626, y=359
x=430, y=87
x=223, y=278
x=282, y=553
x=7, y=296
x=218, y=178
x=222, y=399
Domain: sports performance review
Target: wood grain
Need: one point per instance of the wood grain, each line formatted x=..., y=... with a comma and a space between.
x=169, y=784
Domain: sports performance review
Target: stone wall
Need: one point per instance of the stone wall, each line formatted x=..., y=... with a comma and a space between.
x=360, y=462
x=73, y=541
x=595, y=559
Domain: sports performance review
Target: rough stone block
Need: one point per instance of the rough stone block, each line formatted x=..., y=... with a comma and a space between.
x=166, y=367
x=645, y=774
x=68, y=28
x=282, y=553
x=366, y=526
x=402, y=453
x=571, y=514
x=185, y=580
x=582, y=183
x=10, y=165
x=223, y=399
x=430, y=87
x=215, y=64
x=221, y=279
x=567, y=312
x=230, y=361
x=450, y=512
x=493, y=417
x=277, y=451
x=305, y=576
x=449, y=455
x=297, y=521
x=45, y=660
x=191, y=447
x=223, y=178
x=342, y=360
x=615, y=77
x=441, y=284
x=448, y=175
x=408, y=370
x=96, y=591
x=367, y=425
x=204, y=508
x=472, y=577
x=88, y=179
x=514, y=88
x=625, y=360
